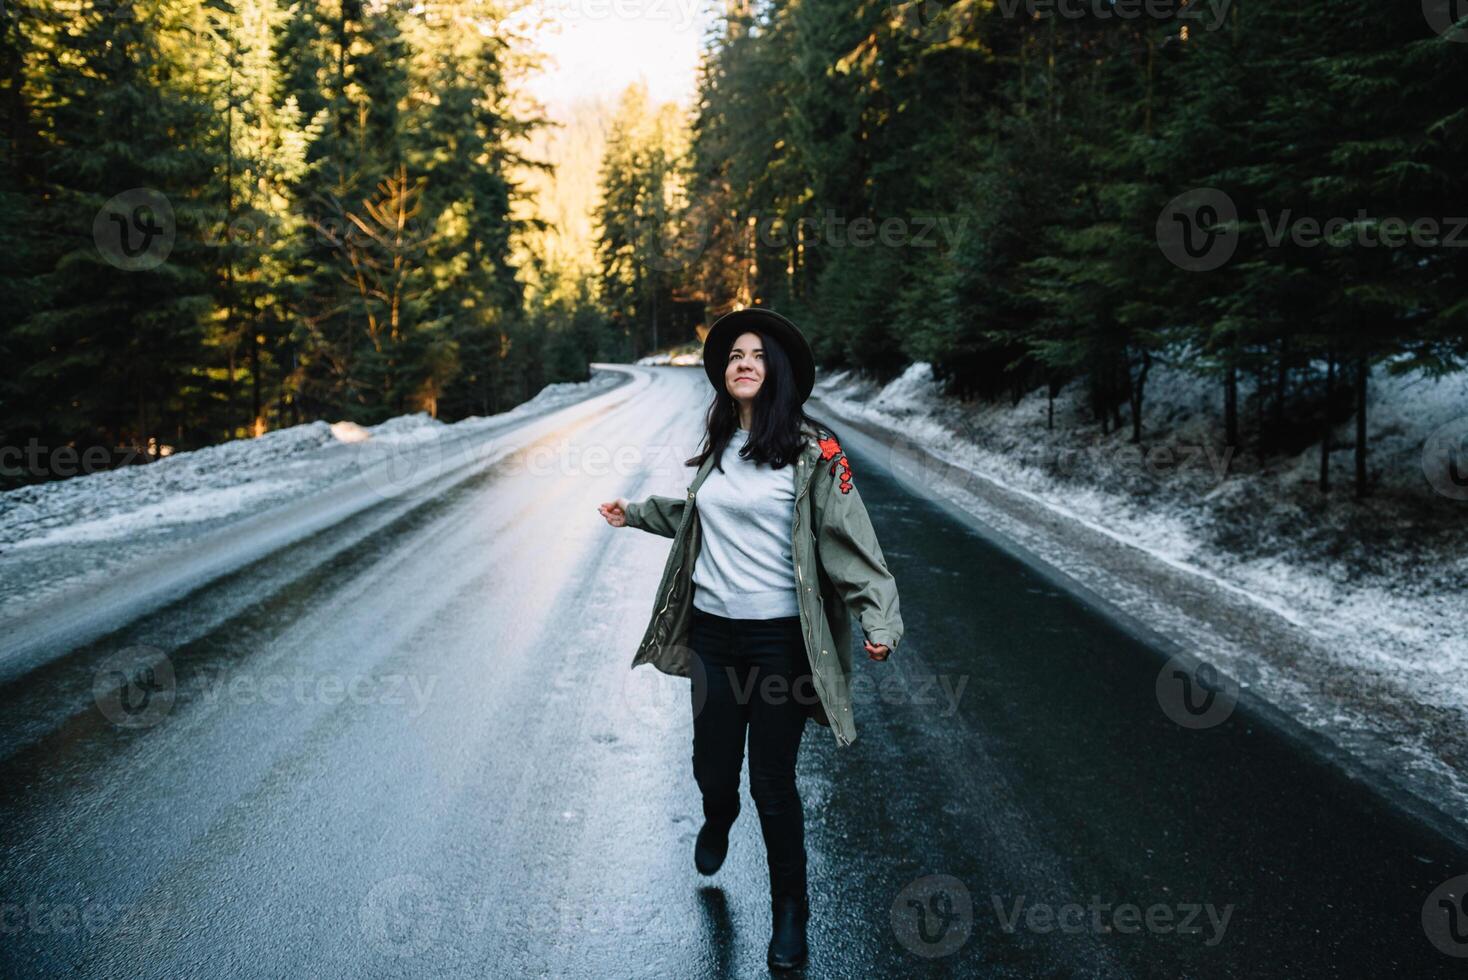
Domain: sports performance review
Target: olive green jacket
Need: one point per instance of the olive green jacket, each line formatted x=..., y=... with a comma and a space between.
x=838, y=563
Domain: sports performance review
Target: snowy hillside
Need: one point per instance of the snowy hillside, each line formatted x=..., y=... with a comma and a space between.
x=1369, y=596
x=223, y=479
x=54, y=534
x=1187, y=499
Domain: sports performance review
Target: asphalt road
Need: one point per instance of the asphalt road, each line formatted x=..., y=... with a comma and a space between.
x=411, y=746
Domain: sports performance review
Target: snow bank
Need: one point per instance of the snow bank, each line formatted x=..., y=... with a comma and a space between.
x=219, y=481
x=1379, y=586
x=348, y=431
x=664, y=359
x=97, y=503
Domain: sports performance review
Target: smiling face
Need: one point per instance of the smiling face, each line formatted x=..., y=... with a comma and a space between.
x=745, y=372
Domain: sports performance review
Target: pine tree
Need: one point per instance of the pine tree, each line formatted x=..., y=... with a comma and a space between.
x=461, y=140
x=642, y=209
x=127, y=152
x=260, y=236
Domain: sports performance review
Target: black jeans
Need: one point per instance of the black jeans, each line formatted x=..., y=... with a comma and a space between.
x=753, y=675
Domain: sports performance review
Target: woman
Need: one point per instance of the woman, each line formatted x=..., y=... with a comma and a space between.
x=753, y=602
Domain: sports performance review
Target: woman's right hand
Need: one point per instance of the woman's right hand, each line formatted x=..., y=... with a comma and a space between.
x=615, y=512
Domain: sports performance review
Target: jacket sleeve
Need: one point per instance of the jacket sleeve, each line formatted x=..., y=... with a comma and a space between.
x=659, y=515
x=852, y=558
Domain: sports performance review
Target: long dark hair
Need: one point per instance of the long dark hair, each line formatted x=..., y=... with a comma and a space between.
x=774, y=427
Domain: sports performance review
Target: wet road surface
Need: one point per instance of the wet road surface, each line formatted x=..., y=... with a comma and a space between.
x=411, y=746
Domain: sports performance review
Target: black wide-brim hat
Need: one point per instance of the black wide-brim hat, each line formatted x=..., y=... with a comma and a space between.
x=726, y=330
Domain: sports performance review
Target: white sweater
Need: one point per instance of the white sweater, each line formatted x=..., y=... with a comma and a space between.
x=744, y=568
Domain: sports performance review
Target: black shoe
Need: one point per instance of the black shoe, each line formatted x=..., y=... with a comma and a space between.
x=788, y=914
x=710, y=848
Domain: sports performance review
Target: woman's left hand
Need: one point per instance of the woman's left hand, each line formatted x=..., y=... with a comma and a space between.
x=877, y=651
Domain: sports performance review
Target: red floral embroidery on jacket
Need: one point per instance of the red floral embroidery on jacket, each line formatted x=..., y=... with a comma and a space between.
x=829, y=448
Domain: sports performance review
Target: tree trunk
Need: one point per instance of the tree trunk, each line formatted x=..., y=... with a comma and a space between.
x=280, y=402
x=1259, y=439
x=1281, y=381
x=1138, y=388
x=255, y=427
x=1326, y=426
x=229, y=407
x=1231, y=403
x=1024, y=69
x=229, y=234
x=1361, y=376
x=143, y=424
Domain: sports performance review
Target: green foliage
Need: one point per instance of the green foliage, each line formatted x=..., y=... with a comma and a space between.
x=333, y=181
x=947, y=182
x=1056, y=146
x=640, y=250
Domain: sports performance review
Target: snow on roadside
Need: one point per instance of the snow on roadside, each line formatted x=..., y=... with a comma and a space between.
x=1176, y=510
x=664, y=359
x=1380, y=584
x=183, y=487
x=223, y=480
x=178, y=508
